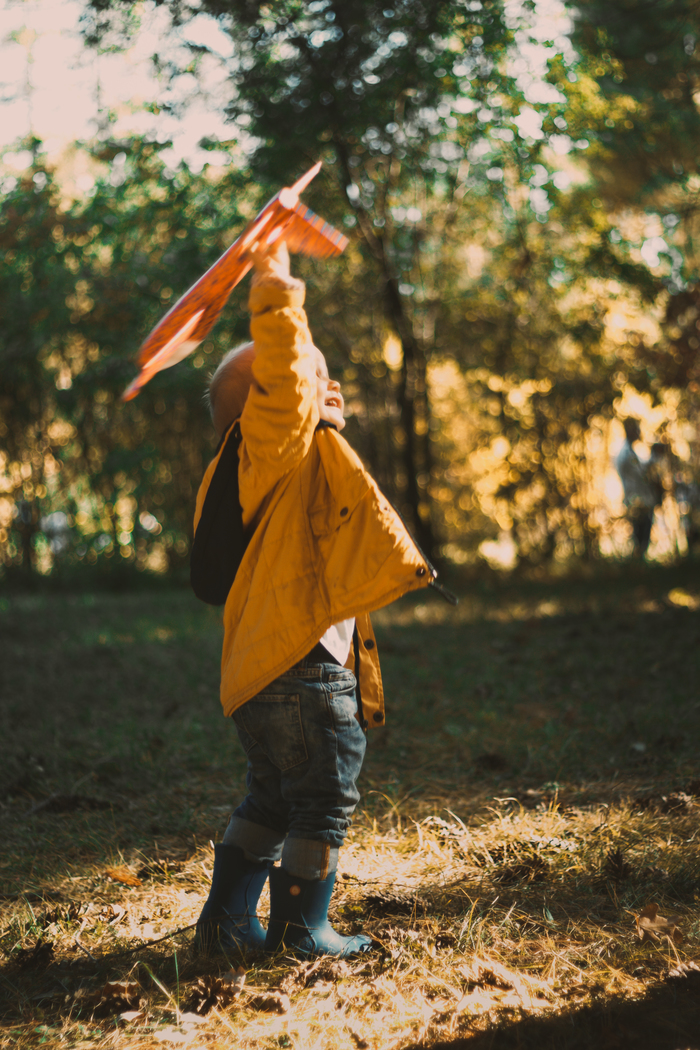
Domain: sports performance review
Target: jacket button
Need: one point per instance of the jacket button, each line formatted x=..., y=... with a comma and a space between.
x=343, y=512
x=369, y=644
x=378, y=716
x=420, y=572
x=365, y=723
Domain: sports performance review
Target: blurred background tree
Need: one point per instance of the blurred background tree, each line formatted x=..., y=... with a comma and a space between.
x=521, y=208
x=645, y=63
x=82, y=282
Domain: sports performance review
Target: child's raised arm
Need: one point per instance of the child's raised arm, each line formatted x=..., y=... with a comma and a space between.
x=272, y=263
x=281, y=412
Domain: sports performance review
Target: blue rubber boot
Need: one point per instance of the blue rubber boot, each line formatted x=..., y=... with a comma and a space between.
x=229, y=921
x=299, y=918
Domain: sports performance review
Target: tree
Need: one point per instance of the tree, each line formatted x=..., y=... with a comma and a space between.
x=645, y=61
x=367, y=86
x=83, y=283
x=434, y=148
x=644, y=55
x=469, y=313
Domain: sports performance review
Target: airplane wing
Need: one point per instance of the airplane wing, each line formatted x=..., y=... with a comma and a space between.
x=194, y=315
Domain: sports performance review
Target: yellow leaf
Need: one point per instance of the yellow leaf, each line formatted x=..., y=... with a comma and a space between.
x=653, y=927
x=124, y=876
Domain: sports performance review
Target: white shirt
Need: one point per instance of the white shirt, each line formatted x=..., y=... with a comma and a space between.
x=338, y=639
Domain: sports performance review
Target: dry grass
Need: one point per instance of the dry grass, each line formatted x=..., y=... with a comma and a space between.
x=499, y=861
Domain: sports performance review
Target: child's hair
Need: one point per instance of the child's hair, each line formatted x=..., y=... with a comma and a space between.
x=229, y=386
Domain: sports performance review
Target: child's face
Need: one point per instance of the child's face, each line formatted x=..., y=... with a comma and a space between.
x=330, y=399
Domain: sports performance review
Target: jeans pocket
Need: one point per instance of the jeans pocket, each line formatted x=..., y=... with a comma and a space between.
x=342, y=681
x=342, y=701
x=273, y=721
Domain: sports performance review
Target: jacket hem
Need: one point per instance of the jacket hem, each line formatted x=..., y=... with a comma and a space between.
x=233, y=703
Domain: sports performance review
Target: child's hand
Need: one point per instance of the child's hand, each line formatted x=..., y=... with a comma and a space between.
x=271, y=260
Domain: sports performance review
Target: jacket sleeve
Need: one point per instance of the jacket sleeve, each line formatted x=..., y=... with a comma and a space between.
x=281, y=412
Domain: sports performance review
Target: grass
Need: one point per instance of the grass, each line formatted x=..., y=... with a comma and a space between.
x=536, y=787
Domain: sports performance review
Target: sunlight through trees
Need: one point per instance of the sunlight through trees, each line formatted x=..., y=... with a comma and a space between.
x=520, y=194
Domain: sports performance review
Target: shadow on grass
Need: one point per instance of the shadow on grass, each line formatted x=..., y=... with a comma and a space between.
x=579, y=689
x=667, y=1017
x=65, y=986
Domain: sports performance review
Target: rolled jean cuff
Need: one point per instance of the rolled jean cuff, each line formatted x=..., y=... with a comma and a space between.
x=259, y=842
x=309, y=859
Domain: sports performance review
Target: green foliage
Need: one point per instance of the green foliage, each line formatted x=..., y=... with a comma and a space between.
x=647, y=54
x=469, y=316
x=368, y=87
x=645, y=63
x=84, y=281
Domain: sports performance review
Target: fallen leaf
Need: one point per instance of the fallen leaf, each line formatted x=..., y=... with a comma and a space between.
x=111, y=914
x=211, y=991
x=276, y=1003
x=235, y=978
x=123, y=875
x=129, y=1016
x=63, y=913
x=653, y=927
x=115, y=997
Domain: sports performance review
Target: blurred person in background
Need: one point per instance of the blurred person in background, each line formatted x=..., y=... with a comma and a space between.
x=687, y=493
x=640, y=495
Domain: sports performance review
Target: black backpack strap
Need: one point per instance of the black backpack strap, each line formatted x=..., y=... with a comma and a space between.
x=219, y=541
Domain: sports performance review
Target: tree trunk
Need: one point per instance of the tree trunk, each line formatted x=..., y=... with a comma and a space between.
x=413, y=407
x=413, y=392
x=26, y=525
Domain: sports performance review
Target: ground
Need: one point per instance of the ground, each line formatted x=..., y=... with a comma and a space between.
x=534, y=795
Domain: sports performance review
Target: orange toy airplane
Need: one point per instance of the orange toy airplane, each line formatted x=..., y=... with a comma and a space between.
x=194, y=315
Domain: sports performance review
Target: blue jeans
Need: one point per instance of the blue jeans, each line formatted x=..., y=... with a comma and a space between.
x=305, y=749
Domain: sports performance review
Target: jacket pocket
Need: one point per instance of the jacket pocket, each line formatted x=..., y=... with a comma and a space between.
x=336, y=486
x=273, y=722
x=331, y=510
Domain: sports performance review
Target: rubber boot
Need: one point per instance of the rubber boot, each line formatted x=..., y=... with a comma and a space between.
x=229, y=921
x=299, y=918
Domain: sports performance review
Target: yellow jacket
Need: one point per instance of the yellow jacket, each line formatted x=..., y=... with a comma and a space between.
x=326, y=544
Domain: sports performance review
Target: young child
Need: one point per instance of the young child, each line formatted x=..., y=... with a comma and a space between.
x=325, y=549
